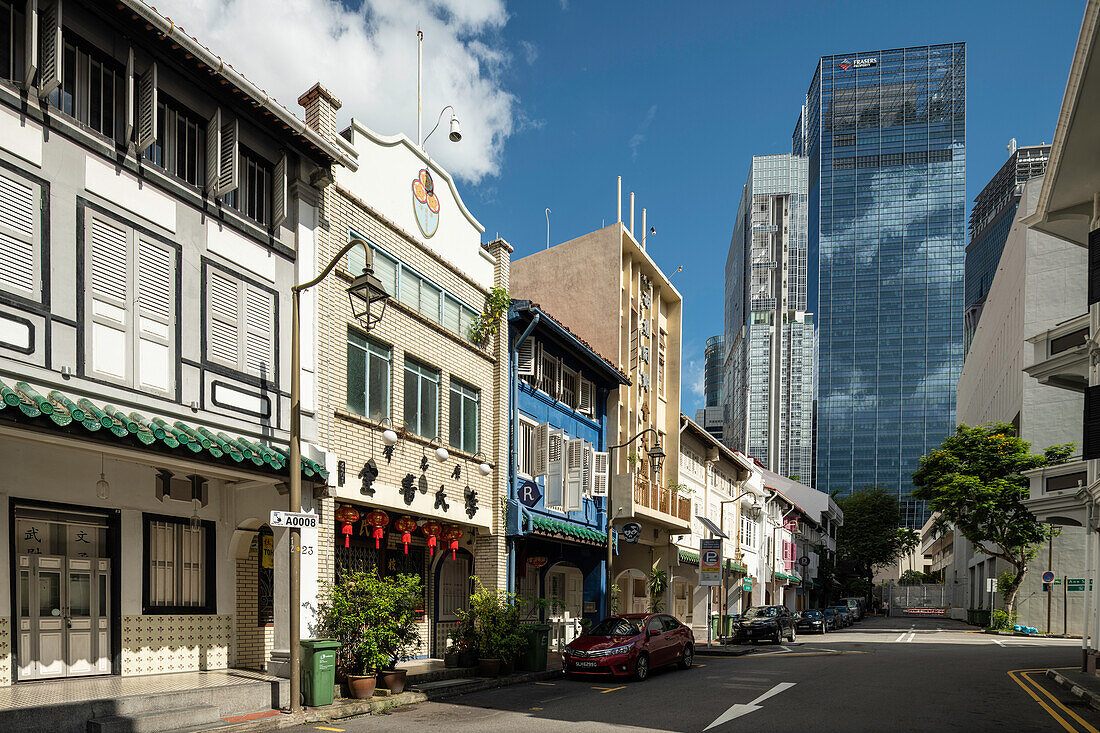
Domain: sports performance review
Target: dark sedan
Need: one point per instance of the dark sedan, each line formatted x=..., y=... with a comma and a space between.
x=630, y=644
x=810, y=620
x=832, y=618
x=845, y=615
x=770, y=623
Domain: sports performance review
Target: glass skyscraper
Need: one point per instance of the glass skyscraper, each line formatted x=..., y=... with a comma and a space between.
x=885, y=135
x=769, y=333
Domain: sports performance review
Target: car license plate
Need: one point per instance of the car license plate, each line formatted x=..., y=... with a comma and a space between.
x=585, y=664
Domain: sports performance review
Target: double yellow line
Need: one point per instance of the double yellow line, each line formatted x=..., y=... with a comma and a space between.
x=1019, y=676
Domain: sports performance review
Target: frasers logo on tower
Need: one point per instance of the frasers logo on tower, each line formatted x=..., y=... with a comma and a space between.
x=858, y=63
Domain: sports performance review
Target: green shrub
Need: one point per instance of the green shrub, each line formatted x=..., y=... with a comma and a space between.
x=1001, y=620
x=492, y=623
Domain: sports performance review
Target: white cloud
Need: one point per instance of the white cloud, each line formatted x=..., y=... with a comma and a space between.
x=638, y=137
x=530, y=52
x=367, y=57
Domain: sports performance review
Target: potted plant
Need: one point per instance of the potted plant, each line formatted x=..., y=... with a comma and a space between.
x=494, y=616
x=466, y=641
x=374, y=620
x=450, y=657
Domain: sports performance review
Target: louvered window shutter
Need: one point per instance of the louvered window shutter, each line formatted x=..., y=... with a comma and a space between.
x=213, y=152
x=30, y=50
x=147, y=108
x=541, y=459
x=574, y=475
x=259, y=328
x=555, y=469
x=50, y=48
x=586, y=400
x=1091, y=433
x=155, y=312
x=525, y=358
x=601, y=473
x=131, y=93
x=222, y=318
x=586, y=469
x=538, y=363
x=228, y=159
x=109, y=295
x=1094, y=266
x=278, y=196
x=19, y=235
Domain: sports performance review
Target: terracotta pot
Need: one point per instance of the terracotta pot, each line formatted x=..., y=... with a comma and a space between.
x=488, y=667
x=362, y=687
x=392, y=680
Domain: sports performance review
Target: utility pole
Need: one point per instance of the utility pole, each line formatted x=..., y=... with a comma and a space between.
x=1050, y=566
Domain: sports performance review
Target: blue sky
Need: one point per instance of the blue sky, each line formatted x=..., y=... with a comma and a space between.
x=678, y=102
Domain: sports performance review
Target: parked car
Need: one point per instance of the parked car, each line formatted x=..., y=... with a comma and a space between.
x=630, y=644
x=811, y=620
x=845, y=615
x=765, y=622
x=832, y=618
x=856, y=606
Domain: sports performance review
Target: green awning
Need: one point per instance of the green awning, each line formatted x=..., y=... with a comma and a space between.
x=21, y=402
x=689, y=558
x=556, y=528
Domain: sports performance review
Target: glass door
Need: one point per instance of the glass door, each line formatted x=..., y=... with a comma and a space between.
x=41, y=623
x=79, y=632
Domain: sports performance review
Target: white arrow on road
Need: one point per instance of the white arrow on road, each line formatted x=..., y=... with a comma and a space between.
x=739, y=709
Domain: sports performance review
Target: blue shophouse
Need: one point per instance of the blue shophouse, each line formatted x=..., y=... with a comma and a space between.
x=558, y=466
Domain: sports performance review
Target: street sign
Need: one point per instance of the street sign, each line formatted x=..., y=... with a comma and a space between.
x=1075, y=584
x=746, y=585
x=803, y=561
x=1048, y=576
x=630, y=532
x=710, y=562
x=990, y=585
x=301, y=520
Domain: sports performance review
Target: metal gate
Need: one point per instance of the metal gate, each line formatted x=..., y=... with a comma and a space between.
x=933, y=599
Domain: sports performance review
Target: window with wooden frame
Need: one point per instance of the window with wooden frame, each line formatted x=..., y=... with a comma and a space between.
x=178, y=573
x=13, y=36
x=525, y=450
x=240, y=324
x=464, y=416
x=549, y=373
x=91, y=86
x=252, y=196
x=368, y=376
x=421, y=399
x=180, y=143
x=569, y=387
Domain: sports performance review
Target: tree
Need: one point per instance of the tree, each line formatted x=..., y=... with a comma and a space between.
x=911, y=577
x=974, y=482
x=870, y=536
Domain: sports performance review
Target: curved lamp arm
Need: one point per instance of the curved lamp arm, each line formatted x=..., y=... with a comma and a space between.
x=448, y=107
x=339, y=255
x=647, y=430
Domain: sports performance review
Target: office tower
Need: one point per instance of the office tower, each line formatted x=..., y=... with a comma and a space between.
x=990, y=221
x=885, y=134
x=710, y=416
x=769, y=362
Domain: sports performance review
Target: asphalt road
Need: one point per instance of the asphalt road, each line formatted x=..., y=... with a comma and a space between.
x=880, y=675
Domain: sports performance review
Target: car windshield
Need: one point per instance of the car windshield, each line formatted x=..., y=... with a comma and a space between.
x=761, y=612
x=616, y=626
x=811, y=614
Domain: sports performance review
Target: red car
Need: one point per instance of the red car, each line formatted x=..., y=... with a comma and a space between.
x=630, y=644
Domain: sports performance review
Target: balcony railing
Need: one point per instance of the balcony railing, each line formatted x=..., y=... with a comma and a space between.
x=666, y=501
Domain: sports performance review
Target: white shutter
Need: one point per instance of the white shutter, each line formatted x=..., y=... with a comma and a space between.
x=538, y=364
x=574, y=475
x=540, y=464
x=156, y=278
x=19, y=237
x=586, y=471
x=600, y=473
x=50, y=48
x=30, y=50
x=278, y=196
x=213, y=152
x=525, y=358
x=555, y=469
x=587, y=398
x=147, y=108
x=131, y=92
x=108, y=278
x=259, y=309
x=228, y=159
x=222, y=319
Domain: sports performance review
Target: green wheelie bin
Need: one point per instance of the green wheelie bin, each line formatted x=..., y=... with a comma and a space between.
x=318, y=670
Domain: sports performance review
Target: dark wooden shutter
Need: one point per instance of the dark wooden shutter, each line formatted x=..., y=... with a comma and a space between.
x=1091, y=432
x=1094, y=266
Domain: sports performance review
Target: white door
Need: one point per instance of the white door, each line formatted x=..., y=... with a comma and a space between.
x=638, y=601
x=564, y=589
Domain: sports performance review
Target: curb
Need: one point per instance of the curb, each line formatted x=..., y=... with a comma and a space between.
x=1000, y=632
x=1091, y=698
x=730, y=651
x=490, y=683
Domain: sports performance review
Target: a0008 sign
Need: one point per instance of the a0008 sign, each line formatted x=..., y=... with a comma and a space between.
x=293, y=519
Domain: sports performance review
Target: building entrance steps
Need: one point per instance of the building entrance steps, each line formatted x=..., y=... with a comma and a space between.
x=133, y=704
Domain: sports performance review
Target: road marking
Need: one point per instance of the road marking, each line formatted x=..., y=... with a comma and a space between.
x=1056, y=701
x=801, y=654
x=998, y=642
x=900, y=637
x=1036, y=698
x=605, y=690
x=548, y=684
x=536, y=708
x=700, y=665
x=321, y=727
x=738, y=709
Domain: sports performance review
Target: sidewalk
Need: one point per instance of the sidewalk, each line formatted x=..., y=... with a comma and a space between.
x=723, y=650
x=1081, y=684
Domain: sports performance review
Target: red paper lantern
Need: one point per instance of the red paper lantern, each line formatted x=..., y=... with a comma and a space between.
x=432, y=529
x=378, y=519
x=406, y=526
x=537, y=561
x=453, y=535
x=348, y=515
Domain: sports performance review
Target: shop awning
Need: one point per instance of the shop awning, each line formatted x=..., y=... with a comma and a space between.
x=19, y=402
x=690, y=558
x=554, y=528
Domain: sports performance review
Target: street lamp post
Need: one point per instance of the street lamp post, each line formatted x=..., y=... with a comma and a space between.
x=724, y=608
x=656, y=458
x=368, y=287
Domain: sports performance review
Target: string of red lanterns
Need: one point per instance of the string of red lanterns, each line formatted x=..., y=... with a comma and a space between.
x=435, y=532
x=432, y=529
x=348, y=515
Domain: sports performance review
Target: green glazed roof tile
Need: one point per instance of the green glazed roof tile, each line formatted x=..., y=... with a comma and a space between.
x=546, y=525
x=156, y=432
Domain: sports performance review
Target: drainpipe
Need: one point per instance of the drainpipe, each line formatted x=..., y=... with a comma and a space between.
x=513, y=468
